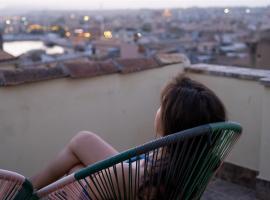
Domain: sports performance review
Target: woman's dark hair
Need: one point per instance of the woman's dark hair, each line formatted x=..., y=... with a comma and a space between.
x=186, y=103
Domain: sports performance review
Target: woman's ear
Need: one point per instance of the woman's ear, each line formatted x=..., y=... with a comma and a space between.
x=158, y=123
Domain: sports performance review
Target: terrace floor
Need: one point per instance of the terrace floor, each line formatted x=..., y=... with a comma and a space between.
x=223, y=190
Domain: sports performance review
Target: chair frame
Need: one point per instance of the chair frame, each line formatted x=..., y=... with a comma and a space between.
x=14, y=186
x=133, y=152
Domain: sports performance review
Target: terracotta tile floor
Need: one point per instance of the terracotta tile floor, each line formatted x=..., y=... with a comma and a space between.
x=222, y=190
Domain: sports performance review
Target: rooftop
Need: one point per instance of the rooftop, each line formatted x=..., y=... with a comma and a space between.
x=4, y=56
x=104, y=98
x=84, y=68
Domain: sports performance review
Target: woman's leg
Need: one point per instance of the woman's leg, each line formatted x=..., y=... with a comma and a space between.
x=76, y=168
x=85, y=148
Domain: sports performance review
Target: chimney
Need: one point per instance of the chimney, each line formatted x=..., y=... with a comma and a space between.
x=1, y=41
x=128, y=50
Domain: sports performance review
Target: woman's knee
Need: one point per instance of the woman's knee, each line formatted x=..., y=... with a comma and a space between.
x=81, y=137
x=76, y=168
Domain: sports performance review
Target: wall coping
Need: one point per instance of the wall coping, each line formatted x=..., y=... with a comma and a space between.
x=263, y=76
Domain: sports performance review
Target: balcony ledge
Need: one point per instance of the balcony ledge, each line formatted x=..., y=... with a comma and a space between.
x=230, y=71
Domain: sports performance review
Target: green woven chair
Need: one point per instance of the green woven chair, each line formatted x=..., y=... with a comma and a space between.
x=14, y=186
x=178, y=166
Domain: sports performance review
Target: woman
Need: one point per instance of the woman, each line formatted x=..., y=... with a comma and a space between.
x=184, y=104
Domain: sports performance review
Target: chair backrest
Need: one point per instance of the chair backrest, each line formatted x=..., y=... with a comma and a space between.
x=14, y=186
x=178, y=166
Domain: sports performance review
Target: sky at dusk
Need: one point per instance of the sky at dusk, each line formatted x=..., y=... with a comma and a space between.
x=112, y=4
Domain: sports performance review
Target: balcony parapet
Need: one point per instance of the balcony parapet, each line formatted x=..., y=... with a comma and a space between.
x=265, y=81
x=230, y=71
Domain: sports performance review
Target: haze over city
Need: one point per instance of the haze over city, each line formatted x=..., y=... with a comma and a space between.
x=132, y=4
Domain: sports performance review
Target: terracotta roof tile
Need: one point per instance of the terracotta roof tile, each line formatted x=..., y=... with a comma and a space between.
x=108, y=67
x=16, y=77
x=89, y=69
x=136, y=64
x=4, y=56
x=84, y=68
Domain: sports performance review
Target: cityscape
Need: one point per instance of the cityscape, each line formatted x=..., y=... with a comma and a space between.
x=102, y=66
x=235, y=36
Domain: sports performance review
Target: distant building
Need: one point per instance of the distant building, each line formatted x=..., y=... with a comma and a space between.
x=1, y=41
x=259, y=50
x=6, y=60
x=5, y=57
x=208, y=47
x=262, y=49
x=167, y=13
x=109, y=48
